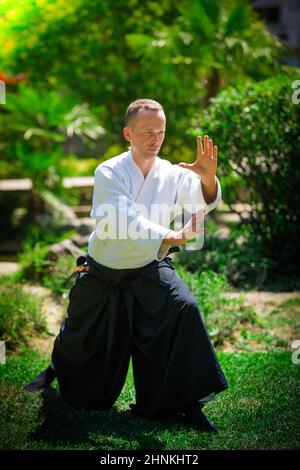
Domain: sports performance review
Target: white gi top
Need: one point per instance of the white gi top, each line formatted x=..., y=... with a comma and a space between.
x=164, y=185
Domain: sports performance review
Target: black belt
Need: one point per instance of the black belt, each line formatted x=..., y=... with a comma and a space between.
x=124, y=287
x=86, y=263
x=173, y=249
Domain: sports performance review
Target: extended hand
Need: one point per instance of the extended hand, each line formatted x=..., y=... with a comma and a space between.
x=205, y=165
x=191, y=229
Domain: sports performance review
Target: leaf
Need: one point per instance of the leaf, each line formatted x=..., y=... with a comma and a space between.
x=237, y=20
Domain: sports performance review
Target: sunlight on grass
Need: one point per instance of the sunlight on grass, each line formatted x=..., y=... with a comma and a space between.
x=260, y=410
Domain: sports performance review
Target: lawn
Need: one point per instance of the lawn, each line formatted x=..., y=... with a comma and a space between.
x=260, y=410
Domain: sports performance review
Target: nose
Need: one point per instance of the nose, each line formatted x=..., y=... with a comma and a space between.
x=156, y=138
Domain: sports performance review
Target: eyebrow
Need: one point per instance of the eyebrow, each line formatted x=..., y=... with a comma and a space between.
x=151, y=129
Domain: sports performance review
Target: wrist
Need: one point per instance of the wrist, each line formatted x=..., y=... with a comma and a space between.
x=209, y=180
x=172, y=238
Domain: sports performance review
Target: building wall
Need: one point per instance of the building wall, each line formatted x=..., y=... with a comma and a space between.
x=282, y=18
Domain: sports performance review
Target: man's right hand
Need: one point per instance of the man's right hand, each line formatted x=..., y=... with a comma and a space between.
x=194, y=226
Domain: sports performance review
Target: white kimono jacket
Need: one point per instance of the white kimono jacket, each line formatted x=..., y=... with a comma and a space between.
x=164, y=186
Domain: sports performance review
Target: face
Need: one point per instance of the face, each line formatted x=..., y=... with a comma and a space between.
x=146, y=133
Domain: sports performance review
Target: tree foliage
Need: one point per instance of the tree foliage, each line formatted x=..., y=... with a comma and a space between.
x=111, y=52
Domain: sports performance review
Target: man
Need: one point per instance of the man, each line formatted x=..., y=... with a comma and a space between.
x=127, y=300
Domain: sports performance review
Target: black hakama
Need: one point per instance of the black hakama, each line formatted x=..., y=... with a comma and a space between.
x=148, y=314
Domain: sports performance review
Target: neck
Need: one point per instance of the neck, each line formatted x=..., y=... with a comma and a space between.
x=145, y=164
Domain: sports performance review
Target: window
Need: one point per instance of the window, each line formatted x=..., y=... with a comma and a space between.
x=270, y=14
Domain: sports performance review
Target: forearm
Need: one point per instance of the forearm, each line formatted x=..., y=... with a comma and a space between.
x=209, y=189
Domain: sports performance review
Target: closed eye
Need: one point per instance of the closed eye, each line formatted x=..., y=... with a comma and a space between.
x=160, y=133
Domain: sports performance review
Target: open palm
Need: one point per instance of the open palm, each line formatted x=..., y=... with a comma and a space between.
x=205, y=165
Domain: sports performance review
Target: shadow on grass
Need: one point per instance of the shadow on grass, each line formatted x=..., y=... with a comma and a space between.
x=63, y=426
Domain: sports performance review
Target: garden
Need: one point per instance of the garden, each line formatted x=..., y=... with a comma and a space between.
x=70, y=70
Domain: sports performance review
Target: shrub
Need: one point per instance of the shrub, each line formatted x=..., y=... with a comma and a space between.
x=238, y=257
x=257, y=129
x=20, y=315
x=36, y=266
x=220, y=313
x=34, y=261
x=57, y=276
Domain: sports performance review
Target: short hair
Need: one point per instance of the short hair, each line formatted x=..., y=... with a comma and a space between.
x=142, y=103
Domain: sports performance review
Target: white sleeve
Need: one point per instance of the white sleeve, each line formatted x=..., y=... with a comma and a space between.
x=108, y=190
x=189, y=192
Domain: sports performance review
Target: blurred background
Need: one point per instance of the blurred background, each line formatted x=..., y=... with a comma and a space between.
x=229, y=69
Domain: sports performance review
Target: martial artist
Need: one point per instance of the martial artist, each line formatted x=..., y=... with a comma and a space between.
x=127, y=300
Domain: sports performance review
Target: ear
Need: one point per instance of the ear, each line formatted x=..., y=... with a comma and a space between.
x=127, y=133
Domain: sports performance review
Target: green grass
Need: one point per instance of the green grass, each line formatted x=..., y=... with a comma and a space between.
x=260, y=410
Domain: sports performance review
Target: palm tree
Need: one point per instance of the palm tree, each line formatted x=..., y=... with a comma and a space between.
x=34, y=125
x=214, y=43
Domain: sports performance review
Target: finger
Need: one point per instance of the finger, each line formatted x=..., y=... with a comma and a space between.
x=215, y=156
x=189, y=234
x=185, y=165
x=198, y=218
x=200, y=147
x=206, y=145
x=197, y=224
x=210, y=148
x=198, y=214
x=199, y=230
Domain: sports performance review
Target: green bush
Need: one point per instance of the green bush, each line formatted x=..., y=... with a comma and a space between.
x=238, y=257
x=20, y=315
x=221, y=314
x=57, y=276
x=34, y=261
x=257, y=129
x=36, y=266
